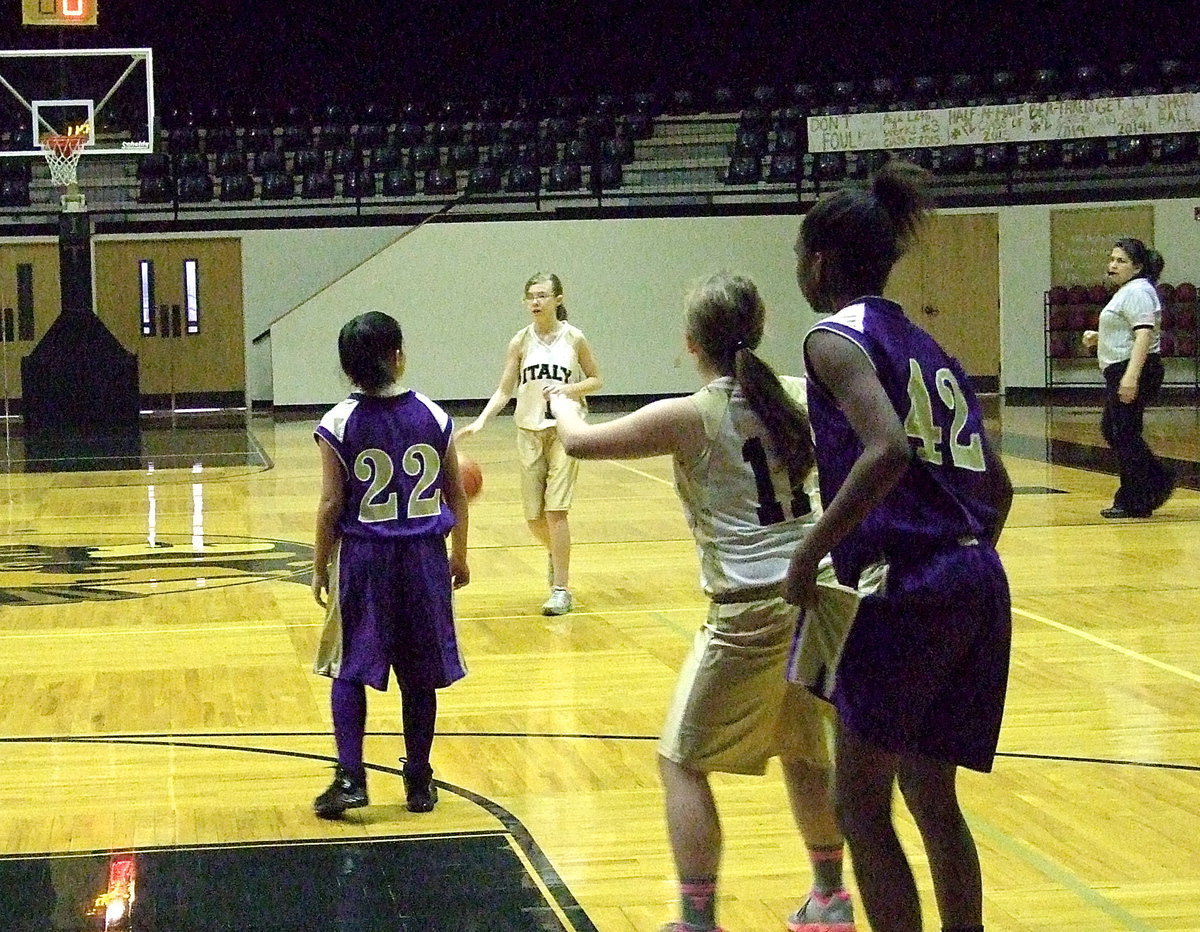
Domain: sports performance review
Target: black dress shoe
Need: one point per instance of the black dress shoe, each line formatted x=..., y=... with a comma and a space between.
x=1116, y=511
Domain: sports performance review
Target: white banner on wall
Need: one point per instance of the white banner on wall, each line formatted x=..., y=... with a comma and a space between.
x=966, y=126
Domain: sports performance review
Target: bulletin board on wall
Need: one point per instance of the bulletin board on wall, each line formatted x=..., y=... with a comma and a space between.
x=1081, y=239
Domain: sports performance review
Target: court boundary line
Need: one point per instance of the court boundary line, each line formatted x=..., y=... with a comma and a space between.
x=1109, y=645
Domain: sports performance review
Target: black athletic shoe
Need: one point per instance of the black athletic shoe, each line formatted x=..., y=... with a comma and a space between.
x=345, y=792
x=1116, y=511
x=422, y=794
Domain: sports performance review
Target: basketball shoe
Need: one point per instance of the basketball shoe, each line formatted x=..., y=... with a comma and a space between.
x=833, y=913
x=419, y=789
x=345, y=792
x=559, y=602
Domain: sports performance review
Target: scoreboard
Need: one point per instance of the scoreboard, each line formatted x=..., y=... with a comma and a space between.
x=58, y=12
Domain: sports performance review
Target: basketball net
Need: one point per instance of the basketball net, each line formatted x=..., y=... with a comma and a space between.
x=62, y=154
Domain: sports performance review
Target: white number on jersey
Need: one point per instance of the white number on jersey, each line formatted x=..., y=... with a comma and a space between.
x=376, y=466
x=965, y=453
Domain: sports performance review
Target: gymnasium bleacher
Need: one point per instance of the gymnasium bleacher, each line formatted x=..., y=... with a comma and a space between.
x=727, y=145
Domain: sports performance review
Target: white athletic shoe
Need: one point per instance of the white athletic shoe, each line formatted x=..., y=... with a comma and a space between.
x=559, y=602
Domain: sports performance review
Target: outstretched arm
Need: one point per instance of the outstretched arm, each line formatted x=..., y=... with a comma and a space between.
x=671, y=426
x=504, y=391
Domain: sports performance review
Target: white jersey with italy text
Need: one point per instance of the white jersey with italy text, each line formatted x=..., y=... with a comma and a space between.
x=545, y=361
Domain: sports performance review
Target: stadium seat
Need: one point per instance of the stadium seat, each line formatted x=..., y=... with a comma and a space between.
x=193, y=189
x=999, y=157
x=783, y=167
x=385, y=158
x=154, y=189
x=617, y=149
x=308, y=160
x=191, y=163
x=258, y=139
x=278, y=186
x=440, y=181
x=154, y=165
x=270, y=161
x=523, y=179
x=829, y=166
x=787, y=141
x=606, y=175
x=750, y=141
x=221, y=139
x=483, y=179
x=1044, y=154
x=564, y=176
x=14, y=192
x=358, y=183
x=237, y=187
x=425, y=157
x=399, y=182
x=957, y=159
x=462, y=156
x=231, y=163
x=485, y=132
x=317, y=184
x=580, y=152
x=744, y=169
x=345, y=159
x=1128, y=151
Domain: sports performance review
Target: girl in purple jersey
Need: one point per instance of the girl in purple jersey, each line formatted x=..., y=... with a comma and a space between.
x=390, y=493
x=912, y=486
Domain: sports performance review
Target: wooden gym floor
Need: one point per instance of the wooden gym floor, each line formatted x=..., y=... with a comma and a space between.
x=162, y=727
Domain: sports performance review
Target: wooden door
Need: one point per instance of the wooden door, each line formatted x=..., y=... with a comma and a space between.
x=949, y=283
x=29, y=303
x=177, y=304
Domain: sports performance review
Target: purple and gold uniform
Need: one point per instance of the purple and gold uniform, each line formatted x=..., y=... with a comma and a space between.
x=924, y=667
x=390, y=590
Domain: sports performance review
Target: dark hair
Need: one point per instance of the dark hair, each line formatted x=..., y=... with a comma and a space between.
x=861, y=233
x=549, y=278
x=725, y=317
x=367, y=348
x=1149, y=260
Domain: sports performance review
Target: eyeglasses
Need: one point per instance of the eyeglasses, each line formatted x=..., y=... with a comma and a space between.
x=540, y=297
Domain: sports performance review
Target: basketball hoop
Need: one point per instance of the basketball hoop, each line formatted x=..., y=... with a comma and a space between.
x=62, y=154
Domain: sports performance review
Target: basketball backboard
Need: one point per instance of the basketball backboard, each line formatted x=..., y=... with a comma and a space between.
x=106, y=95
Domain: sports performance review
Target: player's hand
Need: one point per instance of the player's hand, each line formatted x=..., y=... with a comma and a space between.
x=1127, y=392
x=1090, y=339
x=320, y=586
x=800, y=582
x=460, y=573
x=559, y=399
x=468, y=430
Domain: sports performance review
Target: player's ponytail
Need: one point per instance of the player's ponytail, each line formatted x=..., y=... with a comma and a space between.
x=367, y=347
x=725, y=321
x=862, y=233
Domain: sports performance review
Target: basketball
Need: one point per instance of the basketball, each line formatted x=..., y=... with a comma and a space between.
x=471, y=475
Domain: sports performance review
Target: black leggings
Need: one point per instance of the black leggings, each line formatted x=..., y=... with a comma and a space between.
x=1145, y=480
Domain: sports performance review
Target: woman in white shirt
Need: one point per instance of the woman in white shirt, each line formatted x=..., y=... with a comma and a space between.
x=1128, y=351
